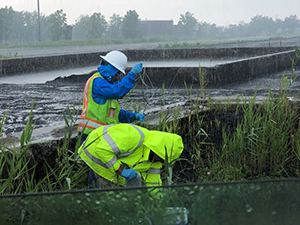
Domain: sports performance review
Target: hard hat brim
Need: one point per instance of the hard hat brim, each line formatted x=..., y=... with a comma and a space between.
x=103, y=57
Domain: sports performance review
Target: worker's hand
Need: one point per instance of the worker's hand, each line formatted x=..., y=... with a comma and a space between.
x=129, y=173
x=137, y=68
x=140, y=117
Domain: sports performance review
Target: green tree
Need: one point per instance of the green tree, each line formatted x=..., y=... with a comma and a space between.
x=24, y=26
x=290, y=23
x=97, y=26
x=203, y=29
x=115, y=26
x=89, y=27
x=30, y=29
x=131, y=26
x=67, y=32
x=58, y=22
x=79, y=30
x=6, y=17
x=231, y=30
x=279, y=26
x=18, y=28
x=45, y=27
x=187, y=24
x=261, y=25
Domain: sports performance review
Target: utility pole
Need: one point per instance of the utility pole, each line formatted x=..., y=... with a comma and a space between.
x=39, y=25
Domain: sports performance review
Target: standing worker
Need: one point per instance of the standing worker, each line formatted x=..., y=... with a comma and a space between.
x=119, y=152
x=101, y=93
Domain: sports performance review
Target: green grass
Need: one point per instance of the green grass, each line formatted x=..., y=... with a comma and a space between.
x=162, y=42
x=10, y=56
x=263, y=143
x=72, y=43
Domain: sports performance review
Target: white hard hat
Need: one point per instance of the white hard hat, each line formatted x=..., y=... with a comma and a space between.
x=117, y=59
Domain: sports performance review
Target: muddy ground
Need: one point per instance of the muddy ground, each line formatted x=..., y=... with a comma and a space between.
x=52, y=100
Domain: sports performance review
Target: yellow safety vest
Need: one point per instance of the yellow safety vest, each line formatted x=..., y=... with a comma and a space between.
x=93, y=114
x=108, y=147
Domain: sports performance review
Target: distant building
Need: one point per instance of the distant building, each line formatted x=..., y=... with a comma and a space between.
x=157, y=27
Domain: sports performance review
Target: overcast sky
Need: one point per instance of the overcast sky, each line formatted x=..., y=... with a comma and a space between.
x=220, y=12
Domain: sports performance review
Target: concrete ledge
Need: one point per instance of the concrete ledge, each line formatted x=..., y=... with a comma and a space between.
x=182, y=77
x=250, y=68
x=200, y=53
x=240, y=70
x=38, y=64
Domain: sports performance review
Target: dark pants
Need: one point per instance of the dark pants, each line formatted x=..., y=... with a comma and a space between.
x=92, y=182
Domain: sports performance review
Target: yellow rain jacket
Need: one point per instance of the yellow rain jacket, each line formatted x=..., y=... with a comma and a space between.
x=109, y=147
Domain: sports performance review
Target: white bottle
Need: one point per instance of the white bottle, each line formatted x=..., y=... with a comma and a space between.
x=135, y=182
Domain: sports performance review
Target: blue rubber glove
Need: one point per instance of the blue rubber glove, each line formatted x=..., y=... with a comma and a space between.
x=137, y=68
x=129, y=173
x=140, y=117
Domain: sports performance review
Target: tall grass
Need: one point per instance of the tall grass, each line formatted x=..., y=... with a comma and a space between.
x=17, y=172
x=263, y=144
x=262, y=140
x=19, y=169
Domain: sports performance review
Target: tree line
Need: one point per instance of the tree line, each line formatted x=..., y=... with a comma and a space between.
x=25, y=26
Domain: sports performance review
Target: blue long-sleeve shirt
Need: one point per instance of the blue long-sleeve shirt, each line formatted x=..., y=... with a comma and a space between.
x=103, y=90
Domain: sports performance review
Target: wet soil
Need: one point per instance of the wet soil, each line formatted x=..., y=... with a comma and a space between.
x=53, y=98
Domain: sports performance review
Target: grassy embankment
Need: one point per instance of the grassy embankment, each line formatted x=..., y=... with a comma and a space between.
x=162, y=42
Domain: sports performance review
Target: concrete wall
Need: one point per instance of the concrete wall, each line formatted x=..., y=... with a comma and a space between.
x=250, y=68
x=252, y=63
x=200, y=53
x=245, y=69
x=46, y=63
x=38, y=64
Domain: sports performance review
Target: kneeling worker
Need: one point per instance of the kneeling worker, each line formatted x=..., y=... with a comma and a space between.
x=118, y=152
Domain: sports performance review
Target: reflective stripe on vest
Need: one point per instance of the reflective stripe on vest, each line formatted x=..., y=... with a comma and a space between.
x=111, y=113
x=114, y=147
x=89, y=123
x=154, y=171
x=152, y=184
x=86, y=97
x=98, y=161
